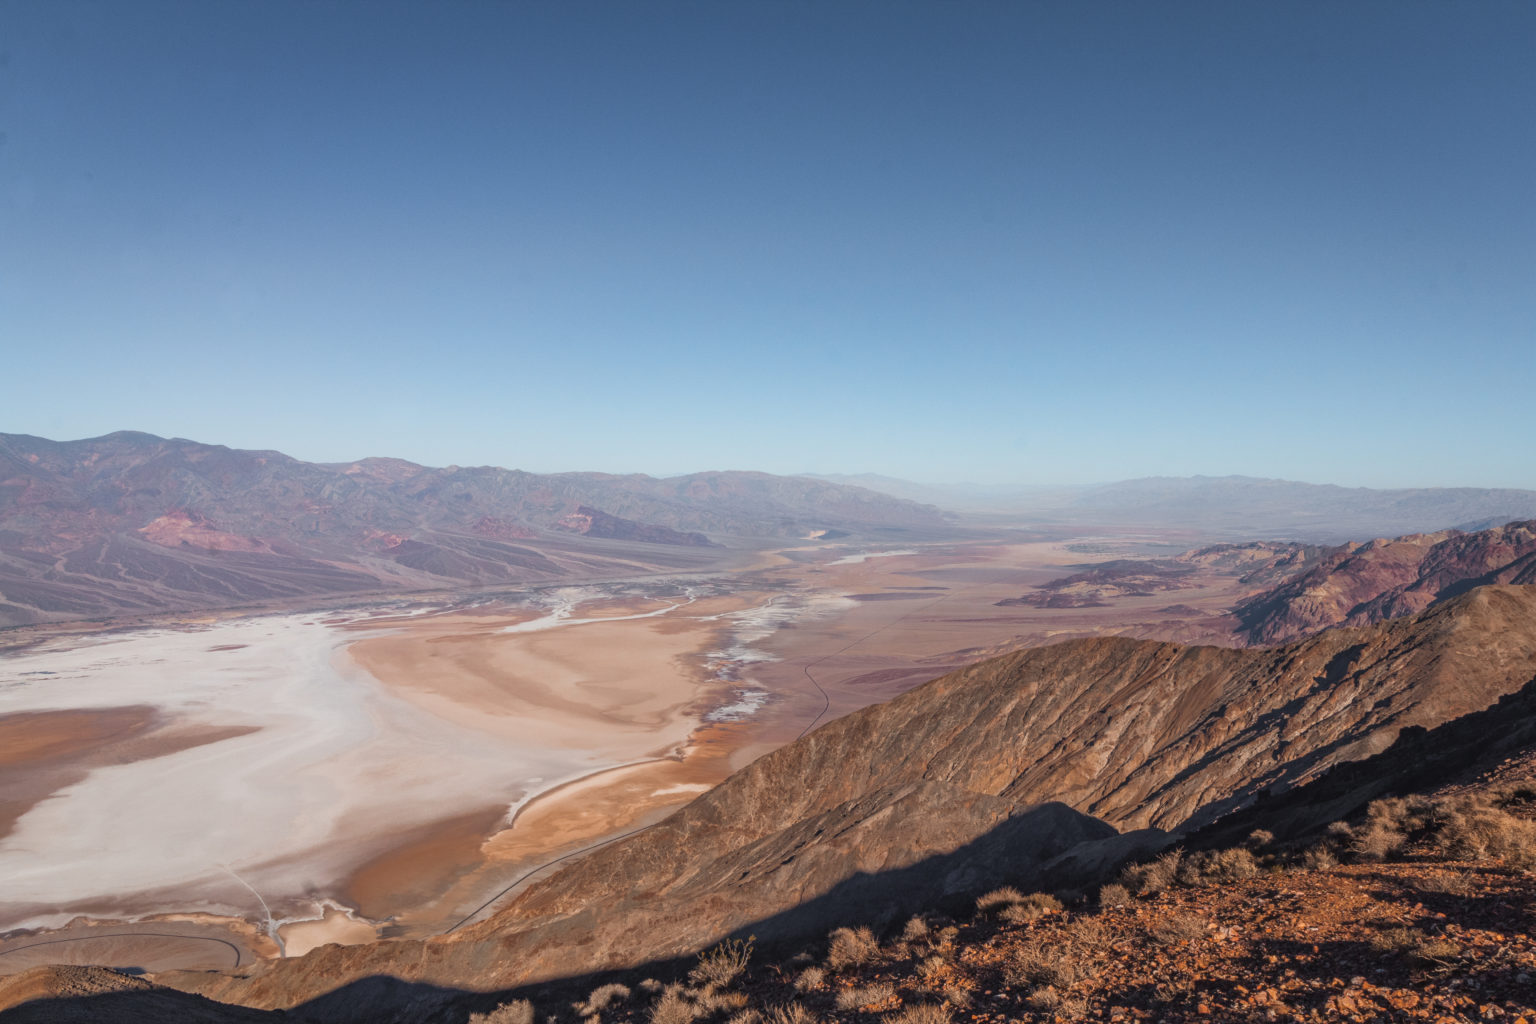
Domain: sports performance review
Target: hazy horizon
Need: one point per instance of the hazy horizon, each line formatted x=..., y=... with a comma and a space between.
x=957, y=487
x=1046, y=244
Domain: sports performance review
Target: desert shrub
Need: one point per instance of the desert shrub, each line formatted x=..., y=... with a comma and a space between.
x=920, y=1013
x=864, y=995
x=1153, y=876
x=789, y=1013
x=916, y=929
x=1471, y=832
x=1032, y=965
x=1377, y=841
x=519, y=1011
x=1319, y=858
x=674, y=1007
x=957, y=997
x=748, y=1016
x=932, y=972
x=1384, y=831
x=1088, y=935
x=713, y=1000
x=1259, y=838
x=1177, y=928
x=723, y=964
x=1030, y=908
x=997, y=899
x=601, y=998
x=850, y=947
x=1114, y=895
x=650, y=985
x=811, y=977
x=1044, y=999
x=1218, y=866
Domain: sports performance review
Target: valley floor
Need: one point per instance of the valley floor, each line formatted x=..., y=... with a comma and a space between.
x=387, y=752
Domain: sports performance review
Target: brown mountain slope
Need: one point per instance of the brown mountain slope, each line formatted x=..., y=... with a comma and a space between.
x=924, y=792
x=132, y=523
x=1358, y=584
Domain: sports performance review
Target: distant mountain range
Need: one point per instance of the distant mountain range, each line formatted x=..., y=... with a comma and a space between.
x=1232, y=506
x=132, y=523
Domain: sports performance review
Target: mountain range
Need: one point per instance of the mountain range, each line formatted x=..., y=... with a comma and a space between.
x=133, y=523
x=1228, y=506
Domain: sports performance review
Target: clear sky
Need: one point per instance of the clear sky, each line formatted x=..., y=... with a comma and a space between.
x=1004, y=242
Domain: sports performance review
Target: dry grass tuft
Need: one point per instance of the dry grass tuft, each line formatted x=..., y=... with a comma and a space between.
x=957, y=997
x=1033, y=965
x=1044, y=999
x=1178, y=928
x=1472, y=831
x=865, y=995
x=601, y=998
x=1154, y=876
x=932, y=971
x=1218, y=866
x=921, y=1013
x=1319, y=858
x=715, y=1001
x=1030, y=908
x=790, y=1013
x=997, y=899
x=723, y=964
x=1089, y=935
x=1114, y=895
x=851, y=947
x=674, y=1007
x=517, y=1012
x=811, y=977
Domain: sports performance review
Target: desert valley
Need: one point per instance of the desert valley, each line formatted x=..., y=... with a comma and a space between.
x=231, y=769
x=767, y=512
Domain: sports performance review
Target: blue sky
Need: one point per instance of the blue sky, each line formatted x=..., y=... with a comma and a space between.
x=1002, y=242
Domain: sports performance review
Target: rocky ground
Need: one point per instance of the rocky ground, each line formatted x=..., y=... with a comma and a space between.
x=1260, y=935
x=1410, y=927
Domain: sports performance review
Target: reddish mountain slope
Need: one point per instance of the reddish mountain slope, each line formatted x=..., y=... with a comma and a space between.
x=1358, y=584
